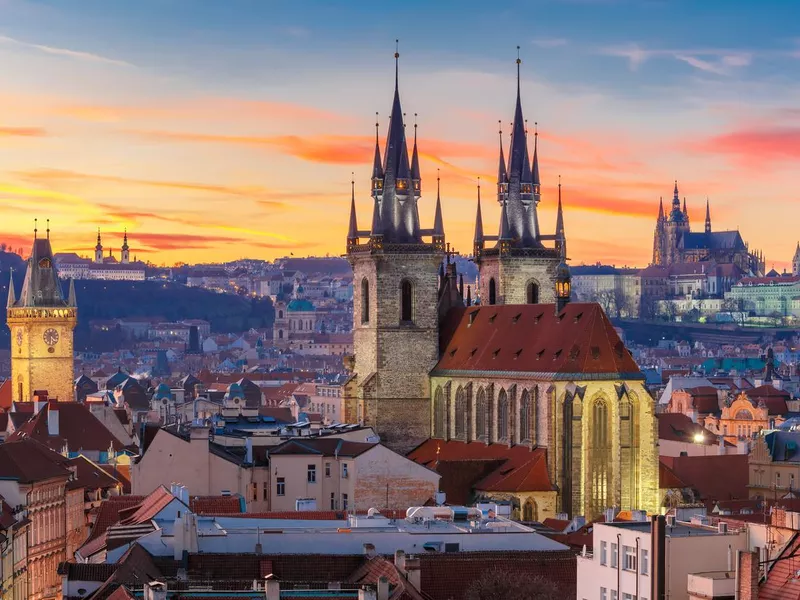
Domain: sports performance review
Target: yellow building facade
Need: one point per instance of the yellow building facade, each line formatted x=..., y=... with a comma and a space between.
x=42, y=322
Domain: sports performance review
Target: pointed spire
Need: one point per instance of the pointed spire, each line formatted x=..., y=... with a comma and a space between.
x=685, y=211
x=438, y=222
x=561, y=238
x=415, y=176
x=469, y=295
x=352, y=231
x=479, y=220
x=12, y=297
x=505, y=234
x=125, y=239
x=73, y=299
x=660, y=217
x=537, y=182
x=708, y=216
x=99, y=243
x=502, y=174
x=519, y=167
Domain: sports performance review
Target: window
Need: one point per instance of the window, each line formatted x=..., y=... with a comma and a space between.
x=492, y=291
x=626, y=596
x=777, y=480
x=312, y=474
x=614, y=556
x=502, y=416
x=439, y=414
x=643, y=563
x=281, y=486
x=364, y=301
x=629, y=558
x=254, y=491
x=613, y=594
x=406, y=301
x=791, y=481
x=344, y=501
x=344, y=470
x=266, y=492
x=327, y=469
x=603, y=553
x=333, y=501
x=532, y=293
x=603, y=593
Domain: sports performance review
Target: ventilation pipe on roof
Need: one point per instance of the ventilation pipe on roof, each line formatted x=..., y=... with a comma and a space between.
x=272, y=587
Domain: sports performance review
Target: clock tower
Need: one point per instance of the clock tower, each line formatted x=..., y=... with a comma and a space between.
x=42, y=321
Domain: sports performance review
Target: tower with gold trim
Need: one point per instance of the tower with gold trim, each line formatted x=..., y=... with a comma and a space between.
x=42, y=321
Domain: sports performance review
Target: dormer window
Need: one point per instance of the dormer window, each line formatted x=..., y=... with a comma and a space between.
x=45, y=263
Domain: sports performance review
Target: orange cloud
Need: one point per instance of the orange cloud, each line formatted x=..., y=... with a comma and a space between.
x=586, y=200
x=146, y=242
x=22, y=132
x=755, y=146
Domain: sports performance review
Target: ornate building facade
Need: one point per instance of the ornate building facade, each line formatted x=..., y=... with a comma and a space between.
x=523, y=370
x=42, y=321
x=674, y=242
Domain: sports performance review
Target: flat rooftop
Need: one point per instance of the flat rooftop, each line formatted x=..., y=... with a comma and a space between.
x=680, y=529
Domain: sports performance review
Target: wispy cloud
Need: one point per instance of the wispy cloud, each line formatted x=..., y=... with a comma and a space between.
x=76, y=54
x=710, y=60
x=756, y=146
x=22, y=132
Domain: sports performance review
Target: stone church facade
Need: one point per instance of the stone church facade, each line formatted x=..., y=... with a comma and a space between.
x=449, y=379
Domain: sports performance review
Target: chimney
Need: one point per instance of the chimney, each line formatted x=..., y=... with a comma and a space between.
x=658, y=552
x=52, y=419
x=272, y=587
x=39, y=400
x=383, y=588
x=155, y=590
x=369, y=550
x=400, y=561
x=198, y=433
x=747, y=575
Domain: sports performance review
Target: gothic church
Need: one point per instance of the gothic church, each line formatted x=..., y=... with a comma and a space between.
x=524, y=379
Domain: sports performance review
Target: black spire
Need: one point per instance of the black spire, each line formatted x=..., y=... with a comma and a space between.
x=479, y=220
x=352, y=230
x=561, y=238
x=537, y=182
x=415, y=176
x=438, y=222
x=708, y=216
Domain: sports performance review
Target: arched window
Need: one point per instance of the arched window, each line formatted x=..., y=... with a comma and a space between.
x=280, y=334
x=45, y=263
x=406, y=301
x=525, y=417
x=438, y=413
x=280, y=314
x=502, y=416
x=601, y=458
x=461, y=423
x=529, y=511
x=744, y=415
x=492, y=291
x=364, y=301
x=300, y=325
x=535, y=415
x=532, y=293
x=481, y=410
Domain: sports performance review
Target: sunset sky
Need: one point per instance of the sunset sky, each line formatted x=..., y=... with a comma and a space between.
x=215, y=130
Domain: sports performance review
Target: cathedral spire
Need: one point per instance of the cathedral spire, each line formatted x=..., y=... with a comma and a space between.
x=377, y=169
x=519, y=169
x=124, y=239
x=438, y=223
x=352, y=230
x=415, y=175
x=660, y=218
x=504, y=234
x=537, y=182
x=478, y=239
x=99, y=245
x=708, y=216
x=561, y=238
x=685, y=211
x=73, y=299
x=12, y=297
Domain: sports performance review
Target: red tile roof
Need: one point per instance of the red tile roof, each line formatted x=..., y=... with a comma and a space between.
x=721, y=477
x=447, y=576
x=5, y=395
x=148, y=508
x=28, y=461
x=90, y=475
x=78, y=428
x=465, y=466
x=705, y=399
x=782, y=582
x=532, y=338
x=774, y=398
x=109, y=511
x=215, y=505
x=668, y=480
x=556, y=524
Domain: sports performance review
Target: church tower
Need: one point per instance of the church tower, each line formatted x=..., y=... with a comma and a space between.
x=396, y=281
x=796, y=261
x=98, y=249
x=42, y=321
x=125, y=258
x=659, y=235
x=677, y=224
x=518, y=269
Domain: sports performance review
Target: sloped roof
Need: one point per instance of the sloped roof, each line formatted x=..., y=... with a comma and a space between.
x=474, y=465
x=28, y=461
x=782, y=582
x=322, y=446
x=717, y=240
x=5, y=395
x=719, y=477
x=667, y=478
x=677, y=427
x=774, y=398
x=705, y=399
x=78, y=428
x=783, y=446
x=577, y=343
x=90, y=475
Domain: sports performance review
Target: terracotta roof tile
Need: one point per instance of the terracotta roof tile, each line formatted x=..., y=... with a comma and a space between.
x=109, y=513
x=322, y=446
x=677, y=427
x=556, y=524
x=705, y=474
x=782, y=583
x=26, y=460
x=667, y=478
x=215, y=505
x=532, y=338
x=447, y=576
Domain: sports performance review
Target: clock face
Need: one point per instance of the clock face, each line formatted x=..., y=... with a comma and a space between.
x=19, y=337
x=50, y=337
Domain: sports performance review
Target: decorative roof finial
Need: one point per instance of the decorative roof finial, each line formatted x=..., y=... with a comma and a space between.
x=35, y=227
x=396, y=62
x=48, y=229
x=519, y=62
